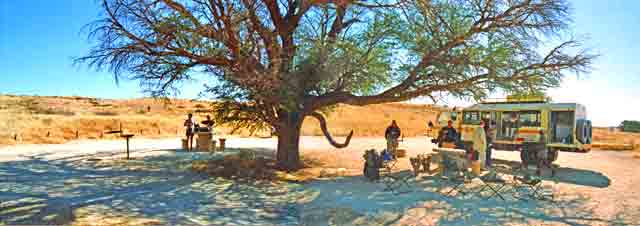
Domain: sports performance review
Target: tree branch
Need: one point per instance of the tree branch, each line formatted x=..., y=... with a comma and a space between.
x=325, y=131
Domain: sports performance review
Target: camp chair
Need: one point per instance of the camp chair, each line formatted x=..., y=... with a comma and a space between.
x=388, y=161
x=530, y=186
x=393, y=183
x=456, y=176
x=396, y=184
x=494, y=183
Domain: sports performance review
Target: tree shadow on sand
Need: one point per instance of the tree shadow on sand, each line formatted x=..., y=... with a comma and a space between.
x=161, y=187
x=566, y=175
x=368, y=204
x=38, y=191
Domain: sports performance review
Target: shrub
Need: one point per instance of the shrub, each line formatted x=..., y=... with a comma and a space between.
x=106, y=113
x=49, y=111
x=630, y=126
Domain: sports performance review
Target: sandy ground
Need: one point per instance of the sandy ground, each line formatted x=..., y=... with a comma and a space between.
x=87, y=183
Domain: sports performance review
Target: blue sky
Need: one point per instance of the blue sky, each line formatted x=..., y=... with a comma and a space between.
x=39, y=38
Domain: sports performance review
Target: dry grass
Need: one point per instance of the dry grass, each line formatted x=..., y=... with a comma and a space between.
x=372, y=120
x=31, y=119
x=613, y=139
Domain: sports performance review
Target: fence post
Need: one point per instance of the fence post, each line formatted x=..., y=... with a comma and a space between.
x=77, y=134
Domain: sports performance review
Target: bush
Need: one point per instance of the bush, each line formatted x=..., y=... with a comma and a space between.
x=202, y=111
x=106, y=113
x=49, y=111
x=630, y=126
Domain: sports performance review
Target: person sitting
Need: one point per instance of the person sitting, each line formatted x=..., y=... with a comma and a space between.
x=448, y=135
x=392, y=133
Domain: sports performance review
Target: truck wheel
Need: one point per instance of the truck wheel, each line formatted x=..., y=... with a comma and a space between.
x=552, y=155
x=525, y=156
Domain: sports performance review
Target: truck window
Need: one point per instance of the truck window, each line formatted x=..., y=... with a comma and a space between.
x=471, y=118
x=530, y=118
x=509, y=125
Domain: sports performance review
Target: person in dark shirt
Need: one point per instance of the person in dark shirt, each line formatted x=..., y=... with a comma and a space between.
x=449, y=134
x=487, y=130
x=208, y=123
x=392, y=133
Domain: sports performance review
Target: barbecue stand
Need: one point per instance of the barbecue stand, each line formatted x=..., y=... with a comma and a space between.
x=126, y=136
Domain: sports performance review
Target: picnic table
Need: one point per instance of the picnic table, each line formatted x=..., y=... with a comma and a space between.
x=123, y=135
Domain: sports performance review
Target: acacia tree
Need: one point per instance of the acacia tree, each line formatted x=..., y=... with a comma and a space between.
x=272, y=63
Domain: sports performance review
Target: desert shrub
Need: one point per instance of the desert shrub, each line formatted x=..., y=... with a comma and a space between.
x=106, y=113
x=202, y=111
x=50, y=111
x=47, y=121
x=199, y=106
x=141, y=112
x=630, y=126
x=103, y=105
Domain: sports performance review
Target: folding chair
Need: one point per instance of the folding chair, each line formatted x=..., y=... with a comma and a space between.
x=494, y=183
x=456, y=175
x=393, y=183
x=396, y=183
x=532, y=187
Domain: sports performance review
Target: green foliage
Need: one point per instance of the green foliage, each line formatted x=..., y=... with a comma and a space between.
x=261, y=66
x=240, y=116
x=630, y=126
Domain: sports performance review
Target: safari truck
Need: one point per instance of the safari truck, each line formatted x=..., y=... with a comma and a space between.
x=517, y=122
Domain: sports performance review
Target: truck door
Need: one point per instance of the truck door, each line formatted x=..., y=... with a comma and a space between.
x=561, y=126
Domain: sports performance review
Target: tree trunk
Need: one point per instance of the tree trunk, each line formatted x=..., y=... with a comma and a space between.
x=288, y=153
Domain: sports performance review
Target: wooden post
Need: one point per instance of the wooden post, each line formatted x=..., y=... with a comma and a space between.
x=127, y=148
x=77, y=134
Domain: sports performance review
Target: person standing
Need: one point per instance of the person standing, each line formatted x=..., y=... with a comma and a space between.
x=487, y=131
x=208, y=123
x=392, y=133
x=480, y=143
x=190, y=126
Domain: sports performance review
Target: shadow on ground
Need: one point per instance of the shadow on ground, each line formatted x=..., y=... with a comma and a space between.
x=159, y=187
x=162, y=188
x=366, y=203
x=567, y=175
